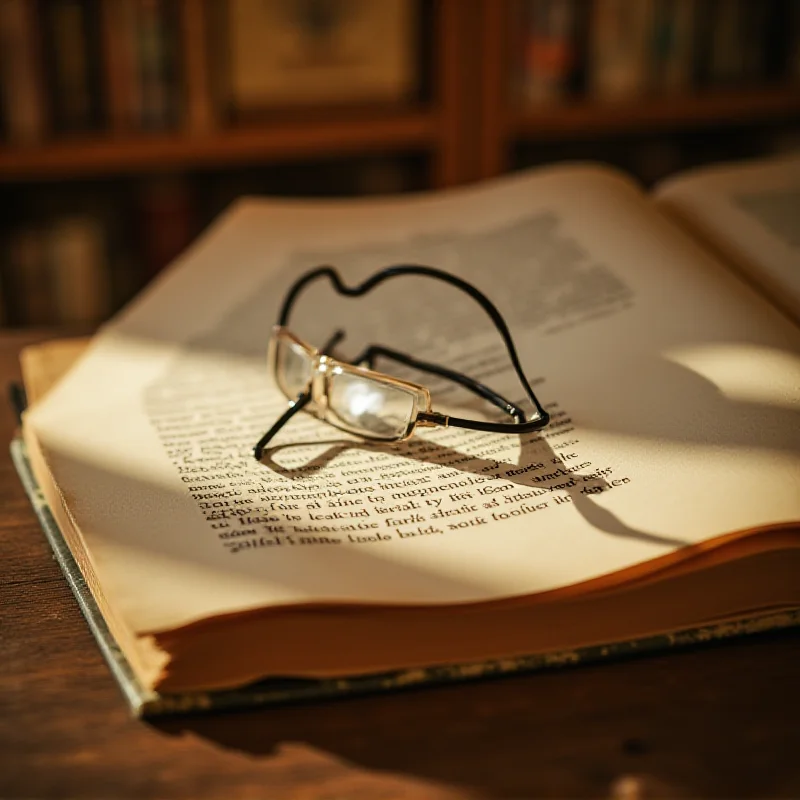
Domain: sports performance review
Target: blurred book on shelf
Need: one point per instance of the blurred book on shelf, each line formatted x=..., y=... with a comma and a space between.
x=794, y=50
x=142, y=61
x=731, y=42
x=120, y=62
x=57, y=273
x=71, y=48
x=26, y=279
x=158, y=63
x=78, y=261
x=126, y=66
x=21, y=80
x=671, y=45
x=86, y=66
x=625, y=49
x=121, y=67
x=619, y=48
x=200, y=92
x=553, y=49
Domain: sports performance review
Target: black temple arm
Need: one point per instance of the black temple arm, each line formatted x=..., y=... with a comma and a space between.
x=531, y=425
x=299, y=404
x=423, y=271
x=373, y=351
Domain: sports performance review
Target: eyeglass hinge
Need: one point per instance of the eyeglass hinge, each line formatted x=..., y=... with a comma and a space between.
x=432, y=418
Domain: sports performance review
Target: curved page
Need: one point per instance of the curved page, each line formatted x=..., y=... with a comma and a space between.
x=674, y=391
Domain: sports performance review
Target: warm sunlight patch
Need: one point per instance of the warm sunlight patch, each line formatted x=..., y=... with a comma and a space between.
x=744, y=372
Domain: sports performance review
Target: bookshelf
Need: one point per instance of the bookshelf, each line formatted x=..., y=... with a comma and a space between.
x=753, y=106
x=507, y=122
x=290, y=140
x=431, y=121
x=462, y=121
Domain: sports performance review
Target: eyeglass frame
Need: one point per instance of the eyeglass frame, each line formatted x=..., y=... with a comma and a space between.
x=323, y=364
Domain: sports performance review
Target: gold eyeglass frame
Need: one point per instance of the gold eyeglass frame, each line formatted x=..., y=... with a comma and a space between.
x=325, y=367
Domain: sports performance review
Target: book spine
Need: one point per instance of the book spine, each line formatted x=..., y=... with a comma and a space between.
x=27, y=279
x=121, y=64
x=726, y=56
x=549, y=49
x=793, y=58
x=71, y=51
x=619, y=48
x=671, y=49
x=21, y=83
x=778, y=39
x=200, y=116
x=753, y=36
x=79, y=270
x=157, y=58
x=219, y=58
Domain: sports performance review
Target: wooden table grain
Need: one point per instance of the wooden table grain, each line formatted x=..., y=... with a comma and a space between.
x=720, y=721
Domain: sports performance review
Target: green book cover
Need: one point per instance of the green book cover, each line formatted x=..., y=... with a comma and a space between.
x=147, y=703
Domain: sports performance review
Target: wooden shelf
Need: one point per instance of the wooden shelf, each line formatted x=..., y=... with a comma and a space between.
x=664, y=113
x=302, y=138
x=307, y=138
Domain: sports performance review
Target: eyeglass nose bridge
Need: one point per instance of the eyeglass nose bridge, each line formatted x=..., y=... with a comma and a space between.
x=320, y=375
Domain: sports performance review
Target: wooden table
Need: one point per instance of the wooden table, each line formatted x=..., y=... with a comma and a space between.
x=722, y=721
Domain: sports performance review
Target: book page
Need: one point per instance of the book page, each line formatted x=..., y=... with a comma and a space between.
x=750, y=213
x=673, y=390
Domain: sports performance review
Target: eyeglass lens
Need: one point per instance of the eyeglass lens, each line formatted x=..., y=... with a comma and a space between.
x=369, y=407
x=294, y=367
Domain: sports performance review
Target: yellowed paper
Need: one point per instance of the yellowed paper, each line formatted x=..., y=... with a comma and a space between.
x=674, y=389
x=750, y=213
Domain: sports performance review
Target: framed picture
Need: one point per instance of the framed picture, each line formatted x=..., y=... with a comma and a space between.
x=320, y=52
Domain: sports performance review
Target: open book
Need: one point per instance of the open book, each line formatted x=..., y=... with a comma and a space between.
x=663, y=496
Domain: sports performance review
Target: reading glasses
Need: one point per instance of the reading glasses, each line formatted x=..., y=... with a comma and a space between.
x=372, y=405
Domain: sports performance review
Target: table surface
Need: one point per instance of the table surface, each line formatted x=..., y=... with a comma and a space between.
x=719, y=721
